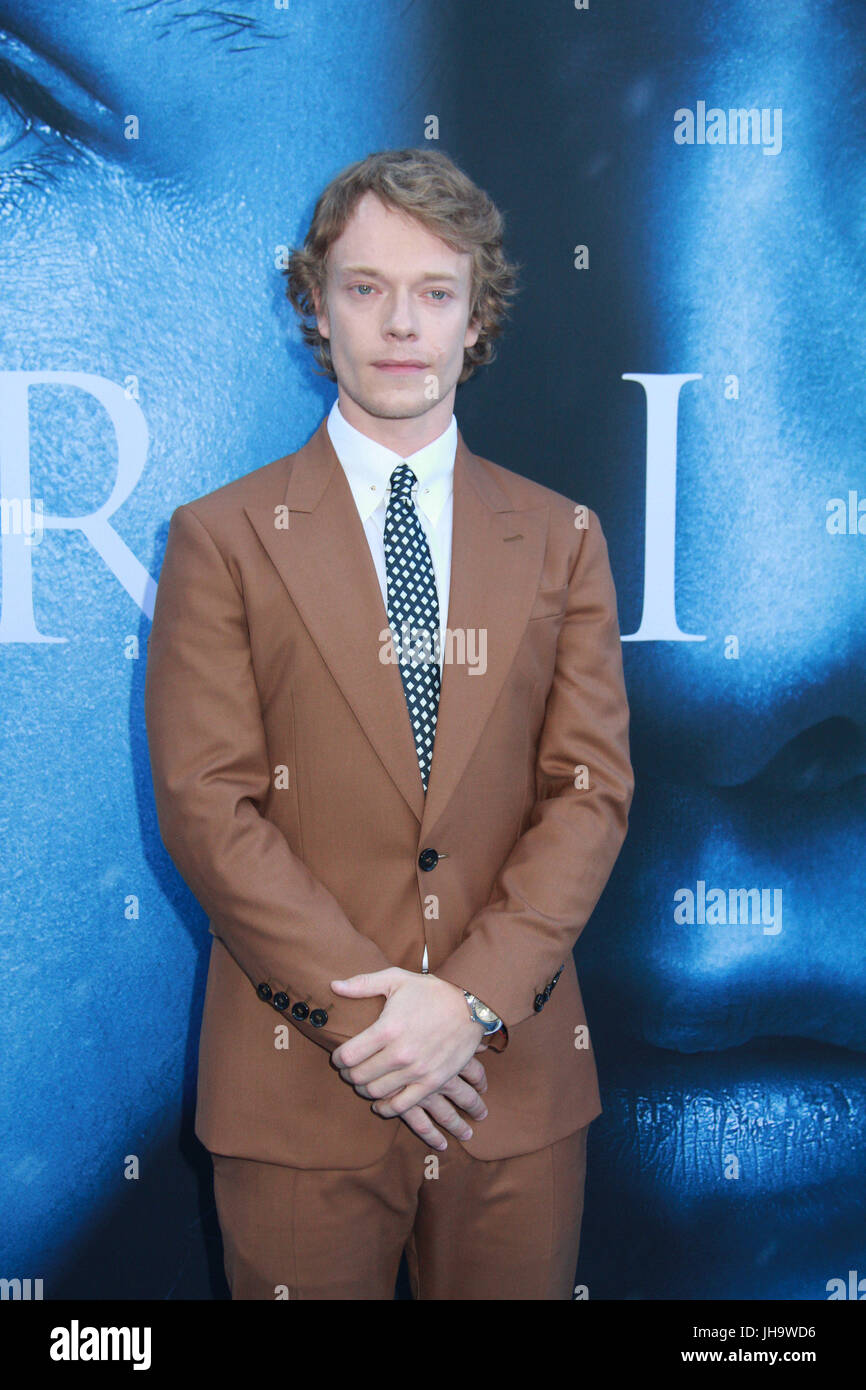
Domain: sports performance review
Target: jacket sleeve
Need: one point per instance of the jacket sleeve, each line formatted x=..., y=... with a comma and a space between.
x=211, y=775
x=512, y=950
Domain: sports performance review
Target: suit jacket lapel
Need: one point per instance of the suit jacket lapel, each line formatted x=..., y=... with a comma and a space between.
x=497, y=554
x=323, y=559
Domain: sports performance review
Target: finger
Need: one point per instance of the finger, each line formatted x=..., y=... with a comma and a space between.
x=475, y=1074
x=417, y=1094
x=363, y=1046
x=403, y=1100
x=376, y=1091
x=443, y=1112
x=381, y=1068
x=375, y=982
x=362, y=1091
x=373, y=1091
x=418, y=1120
x=466, y=1096
x=383, y=1087
x=381, y=1084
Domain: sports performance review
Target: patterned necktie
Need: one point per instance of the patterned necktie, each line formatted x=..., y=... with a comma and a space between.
x=413, y=612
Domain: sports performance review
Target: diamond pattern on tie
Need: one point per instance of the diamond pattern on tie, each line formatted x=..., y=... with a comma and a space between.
x=413, y=612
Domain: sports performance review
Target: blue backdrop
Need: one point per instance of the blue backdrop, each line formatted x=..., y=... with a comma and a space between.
x=684, y=187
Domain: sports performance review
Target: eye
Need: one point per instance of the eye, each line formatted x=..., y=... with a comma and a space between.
x=39, y=133
x=443, y=292
x=33, y=134
x=363, y=287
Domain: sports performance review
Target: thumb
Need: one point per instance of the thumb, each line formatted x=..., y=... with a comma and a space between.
x=362, y=986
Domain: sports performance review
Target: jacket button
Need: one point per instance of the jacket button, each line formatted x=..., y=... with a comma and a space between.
x=300, y=1010
x=540, y=1002
x=281, y=1001
x=319, y=1018
x=264, y=992
x=428, y=859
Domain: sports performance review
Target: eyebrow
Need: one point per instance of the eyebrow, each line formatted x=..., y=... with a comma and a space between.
x=378, y=275
x=233, y=29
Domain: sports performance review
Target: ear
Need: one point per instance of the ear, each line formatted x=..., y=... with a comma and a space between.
x=473, y=330
x=322, y=321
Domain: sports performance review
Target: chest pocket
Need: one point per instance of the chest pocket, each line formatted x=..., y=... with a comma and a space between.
x=549, y=603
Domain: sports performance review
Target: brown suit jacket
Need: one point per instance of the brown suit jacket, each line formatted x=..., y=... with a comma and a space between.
x=289, y=796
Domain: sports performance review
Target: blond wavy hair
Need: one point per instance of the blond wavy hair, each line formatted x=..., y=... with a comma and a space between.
x=426, y=185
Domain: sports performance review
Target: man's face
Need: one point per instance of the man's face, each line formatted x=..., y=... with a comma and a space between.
x=397, y=313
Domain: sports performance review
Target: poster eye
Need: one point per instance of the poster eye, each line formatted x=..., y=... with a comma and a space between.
x=31, y=120
x=46, y=116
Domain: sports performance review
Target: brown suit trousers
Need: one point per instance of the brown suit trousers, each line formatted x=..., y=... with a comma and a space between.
x=507, y=1228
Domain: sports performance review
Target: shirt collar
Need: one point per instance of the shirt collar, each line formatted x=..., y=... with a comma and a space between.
x=368, y=466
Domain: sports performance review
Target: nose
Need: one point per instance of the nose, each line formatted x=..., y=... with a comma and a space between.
x=825, y=757
x=399, y=318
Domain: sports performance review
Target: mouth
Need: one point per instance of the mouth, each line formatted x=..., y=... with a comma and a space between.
x=792, y=1112
x=400, y=367
x=732, y=1057
x=753, y=1154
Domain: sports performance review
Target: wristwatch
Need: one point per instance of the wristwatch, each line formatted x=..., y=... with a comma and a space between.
x=489, y=1021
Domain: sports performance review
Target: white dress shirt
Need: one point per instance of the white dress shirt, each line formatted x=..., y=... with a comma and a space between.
x=368, y=466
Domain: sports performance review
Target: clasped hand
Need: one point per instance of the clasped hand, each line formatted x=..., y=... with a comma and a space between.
x=419, y=1055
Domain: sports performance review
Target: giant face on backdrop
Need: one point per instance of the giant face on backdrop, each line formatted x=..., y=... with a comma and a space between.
x=698, y=379
x=157, y=162
x=699, y=384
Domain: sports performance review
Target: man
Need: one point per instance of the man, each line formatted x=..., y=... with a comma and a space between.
x=371, y=803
